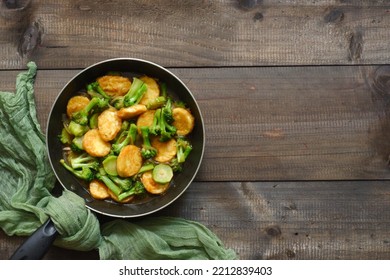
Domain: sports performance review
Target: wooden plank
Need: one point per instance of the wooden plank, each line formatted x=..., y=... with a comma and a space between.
x=71, y=34
x=283, y=220
x=277, y=123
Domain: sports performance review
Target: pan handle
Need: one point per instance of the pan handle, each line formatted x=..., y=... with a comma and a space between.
x=36, y=246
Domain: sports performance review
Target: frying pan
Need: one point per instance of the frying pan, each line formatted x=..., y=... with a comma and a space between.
x=45, y=235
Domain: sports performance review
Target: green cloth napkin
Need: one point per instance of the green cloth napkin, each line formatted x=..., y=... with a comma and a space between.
x=26, y=182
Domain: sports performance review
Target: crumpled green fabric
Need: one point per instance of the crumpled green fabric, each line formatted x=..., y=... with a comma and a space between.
x=26, y=201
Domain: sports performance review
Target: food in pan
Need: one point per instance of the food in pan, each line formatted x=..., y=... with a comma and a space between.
x=126, y=137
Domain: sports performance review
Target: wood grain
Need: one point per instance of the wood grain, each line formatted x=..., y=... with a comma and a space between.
x=283, y=220
x=73, y=34
x=278, y=123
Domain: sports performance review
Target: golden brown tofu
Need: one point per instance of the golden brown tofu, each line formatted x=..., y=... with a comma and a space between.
x=114, y=85
x=145, y=119
x=94, y=145
x=129, y=161
x=98, y=190
x=109, y=124
x=76, y=104
x=152, y=92
x=184, y=121
x=126, y=113
x=165, y=150
x=152, y=186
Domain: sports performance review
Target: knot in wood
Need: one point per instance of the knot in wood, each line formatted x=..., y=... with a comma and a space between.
x=380, y=81
x=334, y=16
x=274, y=231
x=14, y=10
x=31, y=39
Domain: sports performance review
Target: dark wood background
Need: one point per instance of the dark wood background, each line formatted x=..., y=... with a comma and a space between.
x=295, y=99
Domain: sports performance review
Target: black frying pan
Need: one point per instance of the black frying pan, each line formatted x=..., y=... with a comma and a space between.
x=46, y=234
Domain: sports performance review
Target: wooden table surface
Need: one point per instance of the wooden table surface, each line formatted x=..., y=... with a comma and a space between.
x=295, y=97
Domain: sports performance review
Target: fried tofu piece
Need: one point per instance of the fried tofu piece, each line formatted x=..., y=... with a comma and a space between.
x=109, y=124
x=184, y=121
x=165, y=150
x=152, y=92
x=114, y=85
x=76, y=104
x=132, y=111
x=152, y=186
x=98, y=190
x=129, y=161
x=94, y=145
x=145, y=119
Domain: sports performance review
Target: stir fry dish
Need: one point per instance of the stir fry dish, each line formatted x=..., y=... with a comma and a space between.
x=126, y=137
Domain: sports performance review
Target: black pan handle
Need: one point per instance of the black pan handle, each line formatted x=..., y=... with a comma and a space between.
x=36, y=246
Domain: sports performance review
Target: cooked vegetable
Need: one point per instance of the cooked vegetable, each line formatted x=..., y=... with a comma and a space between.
x=129, y=161
x=127, y=139
x=109, y=124
x=183, y=121
x=82, y=116
x=94, y=145
x=147, y=150
x=162, y=173
x=84, y=173
x=77, y=129
x=76, y=104
x=133, y=96
x=184, y=148
x=109, y=165
x=152, y=186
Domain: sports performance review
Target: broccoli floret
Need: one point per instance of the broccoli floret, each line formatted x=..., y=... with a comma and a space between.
x=124, y=184
x=82, y=116
x=109, y=183
x=95, y=90
x=77, y=129
x=157, y=102
x=126, y=138
x=167, y=111
x=184, y=148
x=77, y=144
x=65, y=137
x=161, y=127
x=167, y=131
x=84, y=173
x=135, y=93
x=175, y=165
x=84, y=160
x=147, y=150
x=137, y=189
x=147, y=166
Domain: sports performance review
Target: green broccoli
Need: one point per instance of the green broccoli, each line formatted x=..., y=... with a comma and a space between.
x=155, y=103
x=109, y=183
x=126, y=138
x=147, y=150
x=77, y=144
x=175, y=165
x=82, y=117
x=184, y=148
x=65, y=137
x=83, y=160
x=95, y=90
x=135, y=93
x=124, y=183
x=167, y=111
x=137, y=189
x=161, y=127
x=77, y=129
x=84, y=173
